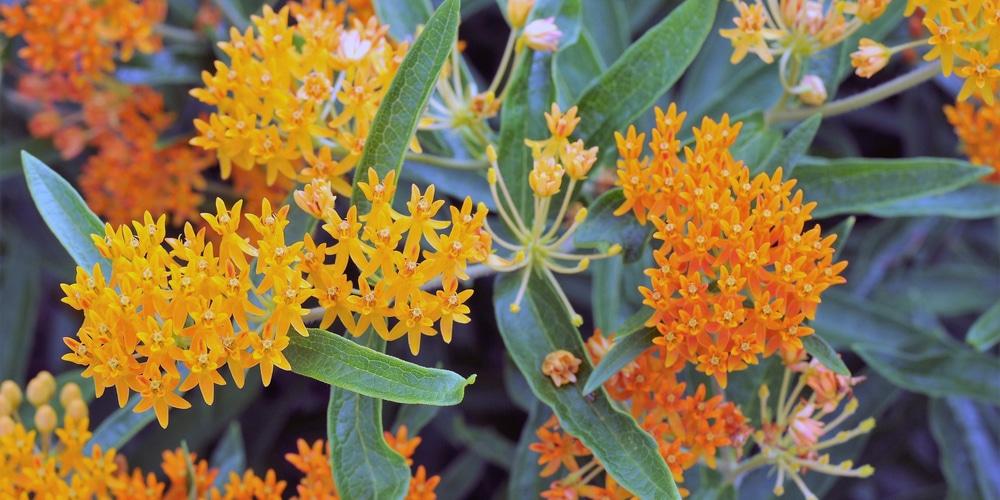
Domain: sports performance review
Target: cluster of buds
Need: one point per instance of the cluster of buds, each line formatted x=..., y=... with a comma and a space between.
x=978, y=127
x=737, y=274
x=796, y=30
x=538, y=247
x=791, y=437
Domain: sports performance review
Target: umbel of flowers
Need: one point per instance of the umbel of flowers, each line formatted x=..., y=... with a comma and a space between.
x=206, y=306
x=737, y=271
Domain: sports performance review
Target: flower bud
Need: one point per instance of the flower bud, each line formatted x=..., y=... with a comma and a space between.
x=870, y=10
x=69, y=393
x=46, y=419
x=6, y=425
x=77, y=409
x=38, y=391
x=12, y=393
x=870, y=58
x=518, y=10
x=811, y=90
x=542, y=34
x=561, y=366
x=546, y=177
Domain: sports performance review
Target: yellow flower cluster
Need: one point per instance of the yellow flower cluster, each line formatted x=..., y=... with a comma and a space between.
x=736, y=273
x=42, y=459
x=288, y=86
x=199, y=304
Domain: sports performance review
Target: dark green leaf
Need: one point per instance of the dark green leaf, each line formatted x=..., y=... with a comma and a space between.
x=643, y=73
x=602, y=228
x=634, y=323
x=414, y=417
x=364, y=465
x=525, y=477
x=192, y=484
x=576, y=67
x=819, y=349
x=975, y=201
x=66, y=214
x=607, y=22
x=544, y=325
x=792, y=147
x=860, y=185
x=404, y=103
x=461, y=477
x=843, y=231
x=624, y=352
x=119, y=427
x=937, y=371
x=10, y=154
x=19, y=299
x=985, y=332
x=337, y=361
x=402, y=16
x=485, y=442
x=607, y=303
x=229, y=456
x=968, y=450
x=844, y=320
x=516, y=386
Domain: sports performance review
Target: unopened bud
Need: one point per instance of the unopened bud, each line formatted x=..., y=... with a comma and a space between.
x=69, y=393
x=847, y=464
x=779, y=490
x=851, y=406
x=46, y=419
x=77, y=409
x=577, y=320
x=12, y=393
x=811, y=90
x=6, y=425
x=518, y=10
x=867, y=425
x=763, y=392
x=866, y=471
x=542, y=34
x=870, y=58
x=491, y=154
x=615, y=250
x=584, y=264
x=38, y=392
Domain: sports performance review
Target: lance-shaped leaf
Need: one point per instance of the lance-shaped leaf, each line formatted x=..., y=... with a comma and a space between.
x=525, y=475
x=819, y=349
x=542, y=326
x=975, y=201
x=402, y=16
x=623, y=353
x=65, y=212
x=338, y=361
x=937, y=370
x=404, y=103
x=791, y=148
x=602, y=228
x=229, y=455
x=967, y=443
x=364, y=465
x=860, y=185
x=985, y=332
x=643, y=73
x=119, y=427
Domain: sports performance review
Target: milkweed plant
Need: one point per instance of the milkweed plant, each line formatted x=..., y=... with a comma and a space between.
x=658, y=250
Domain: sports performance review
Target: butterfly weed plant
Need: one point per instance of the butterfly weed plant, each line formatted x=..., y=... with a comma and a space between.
x=664, y=220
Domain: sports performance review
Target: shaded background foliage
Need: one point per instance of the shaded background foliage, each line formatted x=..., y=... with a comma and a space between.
x=931, y=274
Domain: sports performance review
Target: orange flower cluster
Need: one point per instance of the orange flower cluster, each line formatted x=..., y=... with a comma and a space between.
x=71, y=48
x=687, y=428
x=978, y=127
x=277, y=97
x=737, y=273
x=967, y=30
x=393, y=281
x=32, y=463
x=81, y=39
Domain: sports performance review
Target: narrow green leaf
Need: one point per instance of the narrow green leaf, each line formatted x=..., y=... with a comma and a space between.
x=602, y=228
x=623, y=353
x=542, y=326
x=402, y=16
x=576, y=67
x=516, y=386
x=364, y=465
x=335, y=360
x=607, y=22
x=189, y=478
x=634, y=323
x=10, y=153
x=937, y=371
x=606, y=301
x=414, y=417
x=461, y=477
x=859, y=185
x=756, y=141
x=404, y=103
x=19, y=300
x=843, y=231
x=985, y=332
x=975, y=201
x=65, y=212
x=792, y=147
x=968, y=450
x=525, y=475
x=743, y=388
x=485, y=442
x=229, y=455
x=119, y=427
x=819, y=349
x=643, y=73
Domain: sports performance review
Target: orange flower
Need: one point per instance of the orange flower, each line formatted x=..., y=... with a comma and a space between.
x=561, y=366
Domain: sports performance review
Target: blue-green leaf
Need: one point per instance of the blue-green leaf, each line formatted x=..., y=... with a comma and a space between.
x=65, y=212
x=229, y=455
x=402, y=16
x=819, y=349
x=623, y=353
x=119, y=427
x=985, y=332
x=975, y=201
x=602, y=228
x=525, y=475
x=968, y=448
x=542, y=326
x=791, y=148
x=19, y=299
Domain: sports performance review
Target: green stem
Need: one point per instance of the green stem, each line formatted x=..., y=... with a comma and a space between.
x=745, y=466
x=870, y=96
x=180, y=35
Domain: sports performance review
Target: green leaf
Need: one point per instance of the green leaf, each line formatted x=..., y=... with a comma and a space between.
x=335, y=360
x=968, y=449
x=10, y=153
x=975, y=201
x=607, y=23
x=189, y=478
x=602, y=228
x=65, y=212
x=985, y=332
x=19, y=300
x=402, y=16
x=576, y=67
x=859, y=185
x=119, y=427
x=364, y=465
x=530, y=93
x=525, y=475
x=937, y=371
x=404, y=103
x=623, y=353
x=414, y=417
x=486, y=442
x=606, y=301
x=229, y=455
x=634, y=323
x=461, y=477
x=756, y=141
x=542, y=326
x=819, y=349
x=643, y=73
x=843, y=231
x=516, y=386
x=791, y=148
